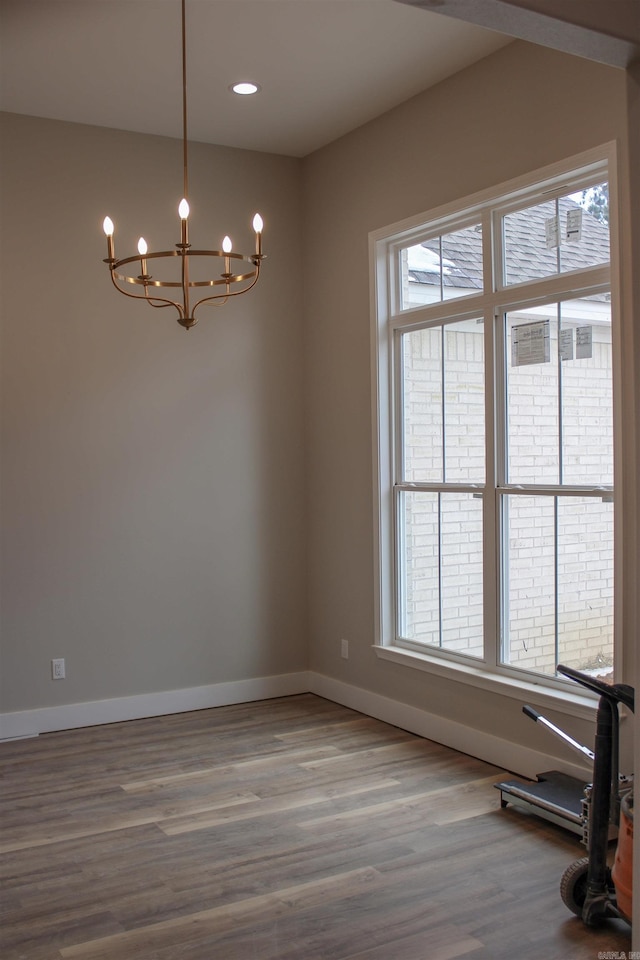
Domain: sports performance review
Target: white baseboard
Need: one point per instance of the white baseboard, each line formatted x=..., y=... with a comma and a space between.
x=30, y=723
x=476, y=743
x=509, y=756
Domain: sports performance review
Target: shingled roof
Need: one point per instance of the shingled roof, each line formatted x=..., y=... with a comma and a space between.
x=527, y=256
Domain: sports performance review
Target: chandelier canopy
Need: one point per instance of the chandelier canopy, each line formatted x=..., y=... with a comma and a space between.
x=239, y=272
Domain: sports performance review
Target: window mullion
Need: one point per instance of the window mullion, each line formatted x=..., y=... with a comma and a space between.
x=491, y=554
x=398, y=408
x=556, y=582
x=493, y=272
x=398, y=572
x=560, y=401
x=398, y=504
x=440, y=597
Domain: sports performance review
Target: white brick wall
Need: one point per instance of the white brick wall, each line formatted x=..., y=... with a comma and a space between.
x=585, y=531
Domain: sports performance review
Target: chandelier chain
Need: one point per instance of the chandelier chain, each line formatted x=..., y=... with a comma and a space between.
x=185, y=156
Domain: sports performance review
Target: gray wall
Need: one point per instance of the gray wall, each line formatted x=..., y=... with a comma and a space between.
x=517, y=110
x=152, y=478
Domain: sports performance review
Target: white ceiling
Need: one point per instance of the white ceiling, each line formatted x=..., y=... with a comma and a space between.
x=325, y=66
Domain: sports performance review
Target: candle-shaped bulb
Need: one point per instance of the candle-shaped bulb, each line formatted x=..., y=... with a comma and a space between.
x=183, y=212
x=226, y=246
x=258, y=224
x=107, y=226
x=142, y=250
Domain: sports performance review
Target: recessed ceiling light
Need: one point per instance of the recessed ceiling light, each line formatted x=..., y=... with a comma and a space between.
x=245, y=88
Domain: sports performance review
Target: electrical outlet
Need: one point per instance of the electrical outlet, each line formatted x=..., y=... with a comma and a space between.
x=57, y=669
x=344, y=649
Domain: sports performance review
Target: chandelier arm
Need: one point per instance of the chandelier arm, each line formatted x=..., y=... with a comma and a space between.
x=185, y=280
x=138, y=296
x=161, y=303
x=228, y=295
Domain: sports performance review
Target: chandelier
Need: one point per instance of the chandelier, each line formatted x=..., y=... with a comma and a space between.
x=239, y=272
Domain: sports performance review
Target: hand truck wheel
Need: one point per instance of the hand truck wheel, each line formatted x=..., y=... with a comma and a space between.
x=573, y=885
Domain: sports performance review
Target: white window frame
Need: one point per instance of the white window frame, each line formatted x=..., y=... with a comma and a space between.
x=384, y=245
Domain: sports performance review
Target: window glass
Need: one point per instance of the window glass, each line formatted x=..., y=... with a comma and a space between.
x=559, y=394
x=568, y=233
x=442, y=268
x=441, y=536
x=558, y=583
x=443, y=403
x=423, y=404
x=526, y=253
x=587, y=392
x=533, y=427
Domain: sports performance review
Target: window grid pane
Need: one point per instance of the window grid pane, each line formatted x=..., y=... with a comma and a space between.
x=558, y=583
x=557, y=236
x=445, y=267
x=443, y=427
x=441, y=569
x=559, y=394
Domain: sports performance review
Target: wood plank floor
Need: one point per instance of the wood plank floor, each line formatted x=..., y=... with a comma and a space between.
x=291, y=829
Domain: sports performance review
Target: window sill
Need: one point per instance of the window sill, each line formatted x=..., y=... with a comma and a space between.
x=576, y=704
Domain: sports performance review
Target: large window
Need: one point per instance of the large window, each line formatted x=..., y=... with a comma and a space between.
x=496, y=430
